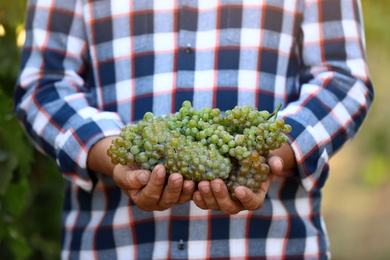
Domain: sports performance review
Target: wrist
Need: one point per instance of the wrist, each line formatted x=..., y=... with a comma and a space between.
x=98, y=160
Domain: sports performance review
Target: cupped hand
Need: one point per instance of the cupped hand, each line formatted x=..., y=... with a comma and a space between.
x=214, y=194
x=150, y=190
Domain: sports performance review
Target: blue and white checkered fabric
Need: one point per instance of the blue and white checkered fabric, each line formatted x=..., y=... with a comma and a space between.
x=89, y=67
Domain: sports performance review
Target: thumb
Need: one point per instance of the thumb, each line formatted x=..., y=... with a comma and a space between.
x=276, y=165
x=128, y=178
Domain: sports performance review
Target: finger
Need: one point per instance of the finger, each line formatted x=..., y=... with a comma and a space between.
x=151, y=193
x=207, y=195
x=130, y=177
x=250, y=200
x=198, y=200
x=171, y=192
x=187, y=191
x=223, y=198
x=276, y=165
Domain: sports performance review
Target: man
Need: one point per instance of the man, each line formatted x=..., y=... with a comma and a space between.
x=90, y=67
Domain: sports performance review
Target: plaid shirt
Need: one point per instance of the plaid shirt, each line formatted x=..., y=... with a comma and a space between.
x=90, y=66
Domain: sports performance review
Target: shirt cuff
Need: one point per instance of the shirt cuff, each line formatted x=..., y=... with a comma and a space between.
x=311, y=155
x=73, y=147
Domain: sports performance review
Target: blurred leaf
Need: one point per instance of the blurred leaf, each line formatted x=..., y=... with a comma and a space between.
x=8, y=161
x=17, y=144
x=8, y=164
x=9, y=60
x=12, y=12
x=13, y=140
x=15, y=198
x=6, y=106
x=17, y=245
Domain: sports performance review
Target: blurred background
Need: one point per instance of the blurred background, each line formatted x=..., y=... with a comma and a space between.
x=356, y=203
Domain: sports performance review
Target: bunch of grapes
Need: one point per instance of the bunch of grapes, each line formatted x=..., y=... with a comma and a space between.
x=204, y=144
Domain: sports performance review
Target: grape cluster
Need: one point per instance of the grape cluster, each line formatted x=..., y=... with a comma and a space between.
x=204, y=144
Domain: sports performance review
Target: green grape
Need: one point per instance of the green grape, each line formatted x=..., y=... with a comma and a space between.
x=129, y=157
x=119, y=141
x=121, y=152
x=287, y=128
x=142, y=157
x=187, y=104
x=135, y=150
x=113, y=148
x=204, y=144
x=215, y=112
x=148, y=116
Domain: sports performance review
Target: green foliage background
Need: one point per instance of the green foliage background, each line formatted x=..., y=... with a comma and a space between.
x=355, y=207
x=30, y=183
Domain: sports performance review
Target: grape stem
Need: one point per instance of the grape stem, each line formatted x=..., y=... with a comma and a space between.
x=275, y=113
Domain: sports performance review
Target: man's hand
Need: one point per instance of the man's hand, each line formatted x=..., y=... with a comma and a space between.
x=149, y=190
x=214, y=194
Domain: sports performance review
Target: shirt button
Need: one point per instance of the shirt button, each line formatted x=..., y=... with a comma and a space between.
x=189, y=50
x=181, y=245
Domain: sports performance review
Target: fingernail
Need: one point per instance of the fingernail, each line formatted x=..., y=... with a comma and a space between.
x=216, y=187
x=205, y=189
x=240, y=193
x=197, y=197
x=178, y=183
x=160, y=172
x=281, y=163
x=144, y=177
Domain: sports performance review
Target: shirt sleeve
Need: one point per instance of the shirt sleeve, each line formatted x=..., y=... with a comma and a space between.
x=53, y=97
x=335, y=88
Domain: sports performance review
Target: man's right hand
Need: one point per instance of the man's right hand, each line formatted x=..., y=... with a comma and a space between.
x=150, y=190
